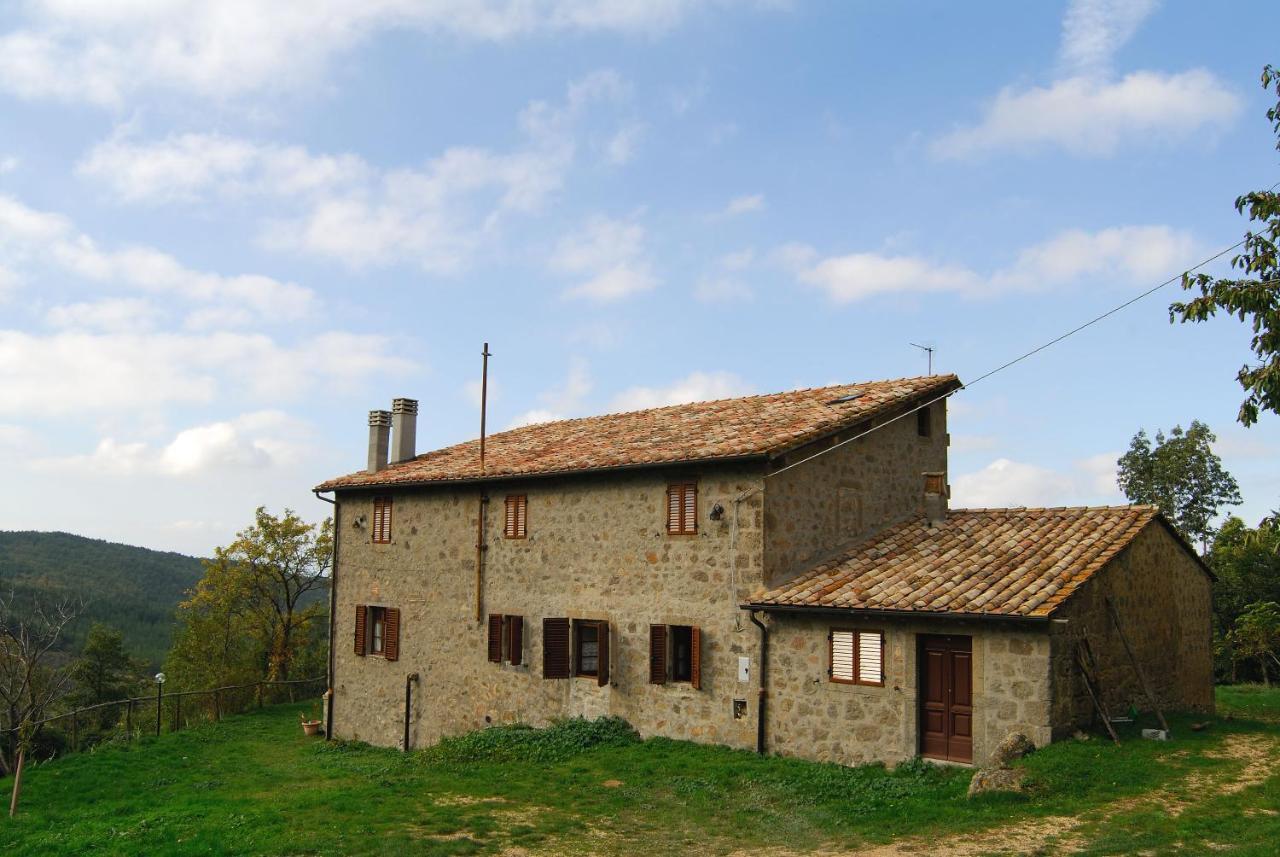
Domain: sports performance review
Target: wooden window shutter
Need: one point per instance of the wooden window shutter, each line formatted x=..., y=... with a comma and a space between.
x=842, y=656
x=382, y=520
x=682, y=508
x=870, y=657
x=555, y=648
x=673, y=508
x=602, y=671
x=515, y=639
x=689, y=514
x=695, y=657
x=657, y=654
x=361, y=610
x=514, y=525
x=391, y=643
x=495, y=638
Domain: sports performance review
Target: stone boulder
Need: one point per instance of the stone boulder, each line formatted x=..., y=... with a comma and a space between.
x=1014, y=746
x=997, y=780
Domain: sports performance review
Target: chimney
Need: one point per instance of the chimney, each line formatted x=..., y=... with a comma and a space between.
x=935, y=498
x=379, y=439
x=404, y=429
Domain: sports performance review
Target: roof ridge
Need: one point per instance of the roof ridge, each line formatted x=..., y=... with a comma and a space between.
x=1129, y=507
x=881, y=381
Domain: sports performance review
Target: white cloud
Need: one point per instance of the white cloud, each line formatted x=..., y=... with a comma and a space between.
x=8, y=164
x=696, y=387
x=1011, y=483
x=744, y=205
x=1091, y=117
x=31, y=236
x=1125, y=253
x=610, y=255
x=81, y=372
x=561, y=402
x=621, y=148
x=337, y=206
x=116, y=315
x=251, y=442
x=1093, y=30
x=722, y=290
x=84, y=50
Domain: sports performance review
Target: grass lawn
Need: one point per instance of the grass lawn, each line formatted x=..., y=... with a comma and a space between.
x=254, y=785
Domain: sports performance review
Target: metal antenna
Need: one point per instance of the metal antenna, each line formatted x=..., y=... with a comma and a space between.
x=484, y=397
x=927, y=350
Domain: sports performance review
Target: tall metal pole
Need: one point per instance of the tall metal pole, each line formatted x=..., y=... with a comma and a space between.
x=159, y=699
x=484, y=398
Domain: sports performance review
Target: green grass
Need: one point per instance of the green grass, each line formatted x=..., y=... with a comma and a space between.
x=1249, y=701
x=254, y=785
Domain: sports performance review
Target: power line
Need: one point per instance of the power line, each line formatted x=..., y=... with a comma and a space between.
x=1019, y=358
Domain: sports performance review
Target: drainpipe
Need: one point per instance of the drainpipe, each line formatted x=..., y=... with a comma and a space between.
x=481, y=547
x=333, y=617
x=408, y=705
x=764, y=674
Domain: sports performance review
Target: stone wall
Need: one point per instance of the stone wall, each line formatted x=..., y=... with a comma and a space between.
x=843, y=496
x=1164, y=601
x=597, y=548
x=811, y=717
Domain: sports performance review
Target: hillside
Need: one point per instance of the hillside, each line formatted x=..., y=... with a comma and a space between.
x=130, y=588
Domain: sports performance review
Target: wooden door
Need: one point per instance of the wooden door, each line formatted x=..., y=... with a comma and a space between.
x=946, y=697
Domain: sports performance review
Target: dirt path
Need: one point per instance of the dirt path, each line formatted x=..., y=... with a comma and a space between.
x=1064, y=834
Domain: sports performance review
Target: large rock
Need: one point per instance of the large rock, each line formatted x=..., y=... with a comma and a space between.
x=997, y=780
x=1014, y=746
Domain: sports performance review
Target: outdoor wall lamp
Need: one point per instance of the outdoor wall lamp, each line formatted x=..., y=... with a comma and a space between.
x=717, y=512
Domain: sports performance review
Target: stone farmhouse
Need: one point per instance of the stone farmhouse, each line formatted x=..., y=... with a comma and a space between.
x=779, y=573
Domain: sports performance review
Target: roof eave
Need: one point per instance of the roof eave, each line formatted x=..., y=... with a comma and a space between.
x=800, y=609
x=549, y=474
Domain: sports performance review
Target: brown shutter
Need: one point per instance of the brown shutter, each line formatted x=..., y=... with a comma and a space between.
x=515, y=639
x=673, y=508
x=555, y=648
x=689, y=514
x=657, y=654
x=602, y=672
x=361, y=610
x=495, y=638
x=695, y=658
x=391, y=640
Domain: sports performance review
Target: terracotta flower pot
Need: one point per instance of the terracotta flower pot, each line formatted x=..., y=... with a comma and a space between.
x=311, y=727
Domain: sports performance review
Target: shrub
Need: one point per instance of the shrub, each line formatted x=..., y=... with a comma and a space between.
x=519, y=742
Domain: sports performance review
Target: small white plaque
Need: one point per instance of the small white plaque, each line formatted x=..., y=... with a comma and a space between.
x=744, y=669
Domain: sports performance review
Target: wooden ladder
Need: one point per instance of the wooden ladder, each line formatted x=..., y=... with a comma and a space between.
x=1089, y=670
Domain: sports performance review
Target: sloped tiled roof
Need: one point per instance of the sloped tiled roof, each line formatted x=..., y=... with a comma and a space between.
x=701, y=431
x=1005, y=562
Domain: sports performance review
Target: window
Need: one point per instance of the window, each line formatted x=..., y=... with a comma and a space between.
x=924, y=422
x=378, y=631
x=857, y=657
x=682, y=508
x=382, y=520
x=591, y=650
x=675, y=654
x=555, y=648
x=514, y=526
x=506, y=639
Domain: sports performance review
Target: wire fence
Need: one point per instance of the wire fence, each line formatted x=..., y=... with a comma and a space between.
x=127, y=719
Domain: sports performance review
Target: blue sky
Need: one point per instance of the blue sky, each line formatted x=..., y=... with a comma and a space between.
x=229, y=230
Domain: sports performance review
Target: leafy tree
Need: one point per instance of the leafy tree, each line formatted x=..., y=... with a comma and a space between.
x=1247, y=563
x=1255, y=295
x=1257, y=635
x=104, y=671
x=253, y=612
x=1180, y=474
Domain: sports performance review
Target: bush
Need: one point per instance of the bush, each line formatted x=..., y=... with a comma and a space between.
x=518, y=742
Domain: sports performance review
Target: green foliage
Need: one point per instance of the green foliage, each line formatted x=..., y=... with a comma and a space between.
x=1257, y=635
x=130, y=588
x=1247, y=563
x=104, y=671
x=254, y=785
x=1180, y=474
x=520, y=743
x=259, y=608
x=1255, y=295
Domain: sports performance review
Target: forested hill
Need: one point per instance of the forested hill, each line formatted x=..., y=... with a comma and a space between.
x=130, y=588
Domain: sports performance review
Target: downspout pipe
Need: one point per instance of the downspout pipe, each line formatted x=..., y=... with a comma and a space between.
x=764, y=681
x=409, y=681
x=333, y=613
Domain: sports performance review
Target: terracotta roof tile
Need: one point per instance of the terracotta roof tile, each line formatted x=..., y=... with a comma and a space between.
x=1014, y=562
x=701, y=431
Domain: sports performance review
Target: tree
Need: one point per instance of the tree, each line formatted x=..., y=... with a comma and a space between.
x=1257, y=635
x=1182, y=476
x=29, y=685
x=104, y=671
x=256, y=603
x=1247, y=563
x=1255, y=295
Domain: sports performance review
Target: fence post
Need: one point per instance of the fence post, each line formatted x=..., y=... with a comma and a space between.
x=159, y=704
x=75, y=731
x=177, y=717
x=259, y=689
x=217, y=707
x=128, y=719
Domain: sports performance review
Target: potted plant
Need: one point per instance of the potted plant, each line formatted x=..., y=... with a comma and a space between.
x=312, y=726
